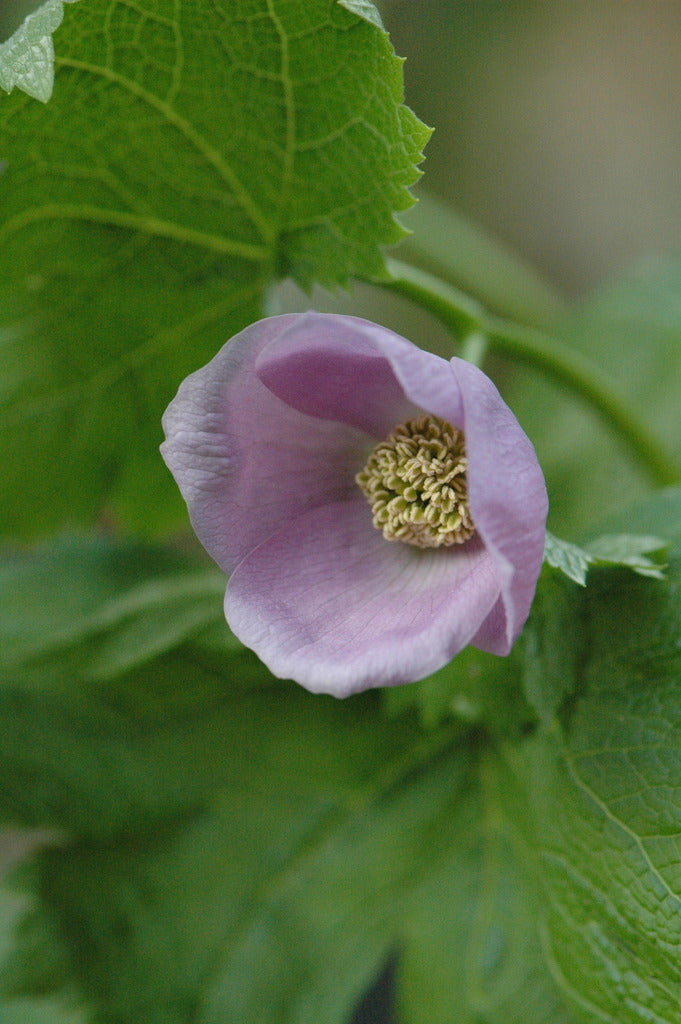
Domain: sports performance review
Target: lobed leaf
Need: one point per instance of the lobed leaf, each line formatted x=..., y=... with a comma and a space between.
x=192, y=153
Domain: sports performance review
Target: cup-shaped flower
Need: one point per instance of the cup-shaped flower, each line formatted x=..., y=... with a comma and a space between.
x=378, y=507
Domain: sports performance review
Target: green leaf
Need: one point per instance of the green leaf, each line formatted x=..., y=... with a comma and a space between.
x=628, y=550
x=237, y=913
x=569, y=558
x=27, y=57
x=112, y=719
x=472, y=950
x=34, y=965
x=227, y=843
x=190, y=155
x=552, y=643
x=475, y=688
x=39, y=1011
x=365, y=9
x=555, y=635
x=234, y=913
x=603, y=787
x=118, y=607
x=621, y=549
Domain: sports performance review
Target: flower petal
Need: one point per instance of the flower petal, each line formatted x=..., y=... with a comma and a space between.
x=507, y=499
x=331, y=367
x=244, y=461
x=329, y=602
x=427, y=380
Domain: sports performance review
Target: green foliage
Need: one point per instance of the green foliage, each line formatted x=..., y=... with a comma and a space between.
x=247, y=838
x=114, y=608
x=147, y=207
x=622, y=549
x=244, y=908
x=553, y=641
x=604, y=795
x=31, y=1010
x=522, y=862
x=472, y=949
x=569, y=558
x=474, y=688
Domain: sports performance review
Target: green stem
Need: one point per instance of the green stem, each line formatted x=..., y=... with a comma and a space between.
x=474, y=347
x=457, y=311
x=571, y=368
x=466, y=318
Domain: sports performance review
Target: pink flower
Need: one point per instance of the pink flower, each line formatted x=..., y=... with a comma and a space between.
x=266, y=443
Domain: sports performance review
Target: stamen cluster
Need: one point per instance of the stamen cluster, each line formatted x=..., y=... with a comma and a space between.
x=415, y=482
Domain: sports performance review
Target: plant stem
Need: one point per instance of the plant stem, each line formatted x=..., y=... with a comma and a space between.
x=474, y=347
x=467, y=318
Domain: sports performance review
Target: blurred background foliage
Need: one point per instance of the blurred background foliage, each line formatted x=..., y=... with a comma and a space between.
x=557, y=123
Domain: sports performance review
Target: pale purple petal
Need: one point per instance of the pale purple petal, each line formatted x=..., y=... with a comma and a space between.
x=507, y=498
x=427, y=380
x=246, y=462
x=493, y=633
x=265, y=442
x=506, y=487
x=329, y=602
x=331, y=367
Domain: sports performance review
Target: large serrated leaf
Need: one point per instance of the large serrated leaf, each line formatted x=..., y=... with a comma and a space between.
x=192, y=153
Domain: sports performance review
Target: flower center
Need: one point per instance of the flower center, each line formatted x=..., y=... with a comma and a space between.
x=415, y=482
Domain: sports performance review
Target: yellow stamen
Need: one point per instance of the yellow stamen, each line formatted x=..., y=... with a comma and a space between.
x=415, y=482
